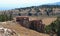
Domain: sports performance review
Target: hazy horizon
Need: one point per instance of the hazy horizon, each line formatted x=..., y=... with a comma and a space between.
x=11, y=4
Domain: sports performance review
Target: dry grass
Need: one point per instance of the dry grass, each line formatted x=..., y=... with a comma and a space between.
x=21, y=30
x=46, y=20
x=27, y=32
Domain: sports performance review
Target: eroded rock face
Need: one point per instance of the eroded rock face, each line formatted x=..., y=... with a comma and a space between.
x=23, y=20
x=37, y=25
x=8, y=32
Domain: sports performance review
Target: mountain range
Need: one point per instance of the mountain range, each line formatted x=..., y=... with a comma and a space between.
x=56, y=3
x=49, y=4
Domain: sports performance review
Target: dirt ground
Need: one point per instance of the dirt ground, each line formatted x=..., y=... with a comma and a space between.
x=21, y=30
x=46, y=20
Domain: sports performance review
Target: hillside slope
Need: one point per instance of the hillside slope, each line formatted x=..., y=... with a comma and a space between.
x=21, y=30
x=46, y=20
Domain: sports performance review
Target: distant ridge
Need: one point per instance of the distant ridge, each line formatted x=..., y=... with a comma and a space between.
x=56, y=3
x=43, y=5
x=50, y=5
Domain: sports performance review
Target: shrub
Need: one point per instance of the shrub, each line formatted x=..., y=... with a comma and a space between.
x=54, y=27
x=5, y=18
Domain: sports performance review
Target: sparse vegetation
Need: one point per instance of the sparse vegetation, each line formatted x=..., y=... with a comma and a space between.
x=5, y=18
x=54, y=27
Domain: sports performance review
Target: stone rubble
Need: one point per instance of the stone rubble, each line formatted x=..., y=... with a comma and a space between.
x=7, y=32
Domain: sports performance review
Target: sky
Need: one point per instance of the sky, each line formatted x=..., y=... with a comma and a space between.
x=11, y=4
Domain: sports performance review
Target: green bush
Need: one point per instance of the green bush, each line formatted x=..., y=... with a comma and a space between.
x=47, y=29
x=5, y=18
x=54, y=27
